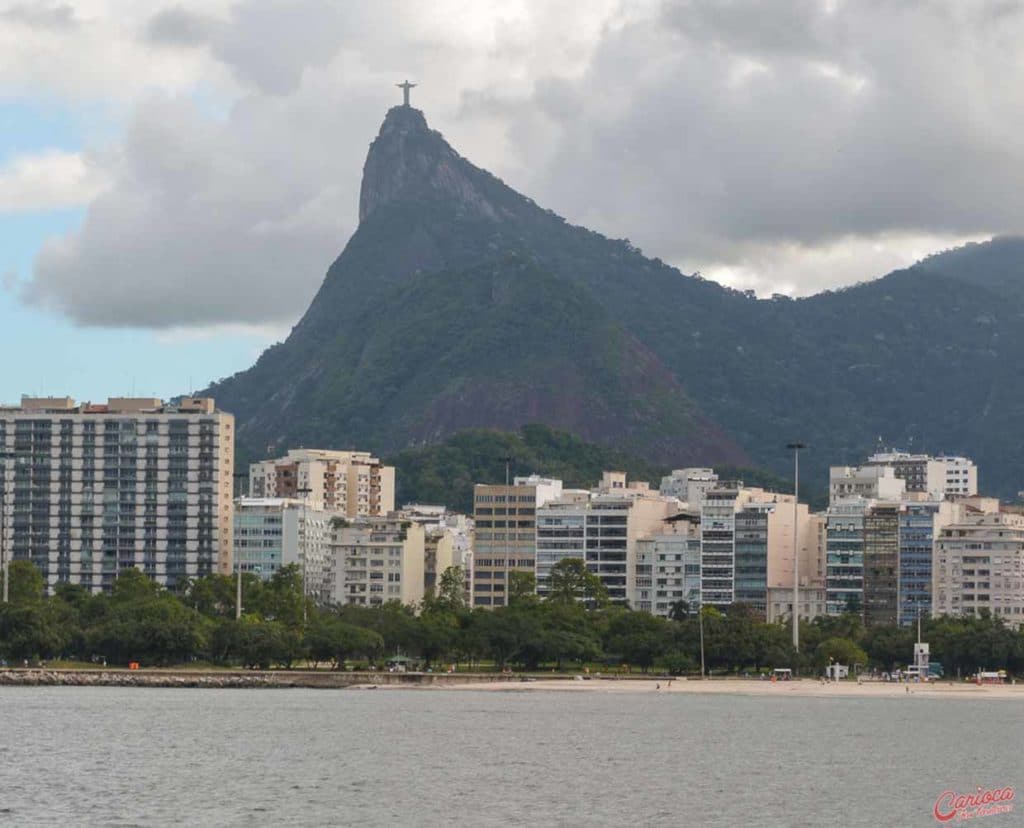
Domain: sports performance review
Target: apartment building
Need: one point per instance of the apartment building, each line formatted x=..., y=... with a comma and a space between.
x=881, y=563
x=936, y=476
x=747, y=543
x=689, y=485
x=505, y=538
x=844, y=559
x=273, y=532
x=871, y=482
x=351, y=483
x=979, y=566
x=600, y=527
x=863, y=559
x=811, y=598
x=88, y=490
x=668, y=567
x=921, y=522
x=373, y=560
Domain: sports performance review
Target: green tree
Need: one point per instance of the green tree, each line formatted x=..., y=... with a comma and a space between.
x=639, y=638
x=27, y=585
x=451, y=591
x=842, y=651
x=570, y=580
x=331, y=639
x=522, y=587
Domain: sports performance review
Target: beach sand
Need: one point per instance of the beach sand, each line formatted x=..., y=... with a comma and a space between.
x=752, y=687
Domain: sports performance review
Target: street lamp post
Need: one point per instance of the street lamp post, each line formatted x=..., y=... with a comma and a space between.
x=795, y=446
x=508, y=464
x=4, y=555
x=700, y=616
x=305, y=492
x=238, y=476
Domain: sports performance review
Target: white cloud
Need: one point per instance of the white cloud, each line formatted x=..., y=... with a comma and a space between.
x=801, y=270
x=48, y=180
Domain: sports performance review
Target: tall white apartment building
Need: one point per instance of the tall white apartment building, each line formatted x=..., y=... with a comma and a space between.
x=979, y=565
x=747, y=543
x=601, y=527
x=374, y=560
x=89, y=490
x=352, y=483
x=273, y=532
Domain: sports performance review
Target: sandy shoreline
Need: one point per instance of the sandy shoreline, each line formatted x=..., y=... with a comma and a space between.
x=798, y=688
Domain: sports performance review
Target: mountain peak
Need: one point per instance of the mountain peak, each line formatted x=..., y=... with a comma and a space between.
x=409, y=161
x=404, y=119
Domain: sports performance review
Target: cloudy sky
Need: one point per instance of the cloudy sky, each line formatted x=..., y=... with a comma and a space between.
x=175, y=179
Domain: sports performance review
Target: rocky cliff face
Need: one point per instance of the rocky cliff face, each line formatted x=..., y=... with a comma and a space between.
x=446, y=311
x=459, y=302
x=410, y=162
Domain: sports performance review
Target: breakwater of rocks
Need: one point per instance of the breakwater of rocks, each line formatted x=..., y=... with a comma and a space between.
x=228, y=679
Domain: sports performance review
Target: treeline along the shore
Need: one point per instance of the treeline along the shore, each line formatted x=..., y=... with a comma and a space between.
x=574, y=626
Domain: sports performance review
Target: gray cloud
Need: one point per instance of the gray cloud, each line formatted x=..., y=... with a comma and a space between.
x=39, y=16
x=177, y=26
x=267, y=43
x=796, y=145
x=703, y=142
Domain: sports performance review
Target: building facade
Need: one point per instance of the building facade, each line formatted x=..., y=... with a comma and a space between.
x=373, y=560
x=747, y=544
x=935, y=476
x=874, y=482
x=273, y=532
x=844, y=556
x=350, y=483
x=811, y=599
x=668, y=568
x=504, y=542
x=89, y=490
x=689, y=485
x=600, y=527
x=921, y=522
x=979, y=567
x=881, y=563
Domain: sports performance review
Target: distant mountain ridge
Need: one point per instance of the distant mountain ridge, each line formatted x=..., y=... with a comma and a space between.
x=459, y=303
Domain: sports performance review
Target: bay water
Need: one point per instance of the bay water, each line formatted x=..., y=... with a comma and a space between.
x=149, y=757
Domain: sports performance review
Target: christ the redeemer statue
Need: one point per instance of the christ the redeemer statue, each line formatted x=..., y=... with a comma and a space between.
x=405, y=87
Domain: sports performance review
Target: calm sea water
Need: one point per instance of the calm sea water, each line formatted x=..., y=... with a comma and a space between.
x=125, y=757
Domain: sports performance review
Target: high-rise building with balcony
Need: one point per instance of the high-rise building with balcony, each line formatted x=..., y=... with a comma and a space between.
x=601, y=527
x=351, y=483
x=979, y=567
x=374, y=560
x=747, y=543
x=89, y=490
